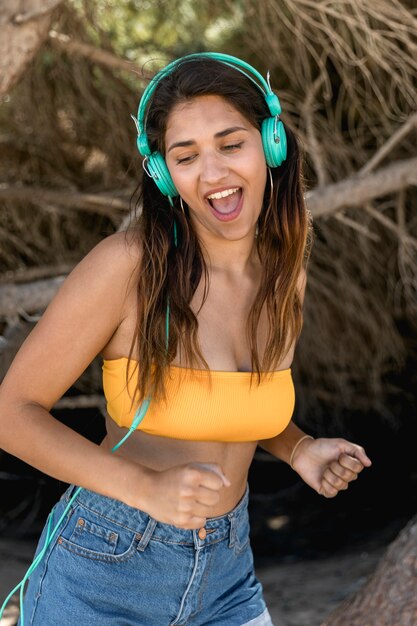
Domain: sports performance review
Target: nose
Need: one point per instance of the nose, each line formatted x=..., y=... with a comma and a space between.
x=213, y=168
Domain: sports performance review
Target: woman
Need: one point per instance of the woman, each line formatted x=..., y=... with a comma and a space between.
x=196, y=314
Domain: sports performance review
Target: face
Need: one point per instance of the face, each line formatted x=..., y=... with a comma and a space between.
x=216, y=160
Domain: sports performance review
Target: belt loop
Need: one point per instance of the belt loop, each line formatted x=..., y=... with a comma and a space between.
x=146, y=537
x=66, y=496
x=232, y=531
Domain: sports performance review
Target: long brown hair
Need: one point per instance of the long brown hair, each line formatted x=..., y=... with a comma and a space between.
x=170, y=272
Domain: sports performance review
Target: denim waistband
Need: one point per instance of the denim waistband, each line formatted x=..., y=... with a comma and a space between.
x=216, y=528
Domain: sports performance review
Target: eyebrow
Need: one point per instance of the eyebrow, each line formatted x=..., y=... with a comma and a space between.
x=190, y=142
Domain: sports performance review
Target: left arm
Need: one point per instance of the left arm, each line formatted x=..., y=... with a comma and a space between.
x=326, y=465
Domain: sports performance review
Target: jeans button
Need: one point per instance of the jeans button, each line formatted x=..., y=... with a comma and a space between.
x=202, y=533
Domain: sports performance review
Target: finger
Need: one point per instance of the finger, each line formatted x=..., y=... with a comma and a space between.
x=200, y=477
x=197, y=522
x=215, y=467
x=327, y=490
x=210, y=475
x=335, y=481
x=201, y=510
x=189, y=510
x=207, y=497
x=357, y=452
x=193, y=523
x=350, y=463
x=344, y=473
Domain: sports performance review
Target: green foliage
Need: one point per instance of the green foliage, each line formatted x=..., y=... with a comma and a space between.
x=142, y=29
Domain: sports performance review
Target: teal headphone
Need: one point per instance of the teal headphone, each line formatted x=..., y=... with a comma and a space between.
x=274, y=139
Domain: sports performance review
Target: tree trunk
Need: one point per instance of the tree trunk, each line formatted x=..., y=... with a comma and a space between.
x=389, y=598
x=24, y=27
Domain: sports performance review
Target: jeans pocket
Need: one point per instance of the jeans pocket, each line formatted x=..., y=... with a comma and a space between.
x=95, y=537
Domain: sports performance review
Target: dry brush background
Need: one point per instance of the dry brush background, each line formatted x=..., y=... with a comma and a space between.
x=346, y=76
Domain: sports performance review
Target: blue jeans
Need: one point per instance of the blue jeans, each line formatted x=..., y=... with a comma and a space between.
x=113, y=565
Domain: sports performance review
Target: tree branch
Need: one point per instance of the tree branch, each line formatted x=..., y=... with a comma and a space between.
x=390, y=225
x=35, y=273
x=95, y=55
x=91, y=203
x=389, y=145
x=356, y=226
x=21, y=18
x=316, y=149
x=29, y=297
x=358, y=190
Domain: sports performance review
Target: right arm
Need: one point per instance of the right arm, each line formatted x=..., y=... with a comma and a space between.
x=80, y=321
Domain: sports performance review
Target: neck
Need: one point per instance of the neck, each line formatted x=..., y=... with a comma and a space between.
x=235, y=256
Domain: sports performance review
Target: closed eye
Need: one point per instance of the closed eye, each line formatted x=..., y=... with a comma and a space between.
x=186, y=159
x=234, y=146
x=229, y=148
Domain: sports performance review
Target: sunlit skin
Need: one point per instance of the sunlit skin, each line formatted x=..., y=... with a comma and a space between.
x=215, y=160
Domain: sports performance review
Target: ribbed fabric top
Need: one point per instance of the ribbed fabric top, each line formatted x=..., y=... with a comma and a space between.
x=204, y=405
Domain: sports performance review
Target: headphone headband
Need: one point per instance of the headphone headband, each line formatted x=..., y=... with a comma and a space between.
x=271, y=98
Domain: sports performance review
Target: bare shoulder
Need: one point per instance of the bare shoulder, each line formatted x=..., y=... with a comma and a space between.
x=109, y=268
x=114, y=254
x=81, y=319
x=100, y=285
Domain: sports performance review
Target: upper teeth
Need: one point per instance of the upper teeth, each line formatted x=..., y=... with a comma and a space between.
x=222, y=194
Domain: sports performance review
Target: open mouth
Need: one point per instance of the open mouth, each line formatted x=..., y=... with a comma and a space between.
x=226, y=205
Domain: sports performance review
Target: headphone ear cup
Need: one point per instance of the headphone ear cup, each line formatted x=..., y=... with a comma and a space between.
x=274, y=144
x=158, y=171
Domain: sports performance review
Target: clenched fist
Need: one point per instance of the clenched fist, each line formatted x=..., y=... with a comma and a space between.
x=329, y=465
x=184, y=495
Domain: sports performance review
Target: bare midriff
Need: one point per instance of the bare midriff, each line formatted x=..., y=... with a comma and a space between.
x=161, y=453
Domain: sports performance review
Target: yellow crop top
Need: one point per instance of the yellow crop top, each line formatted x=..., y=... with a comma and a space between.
x=204, y=405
